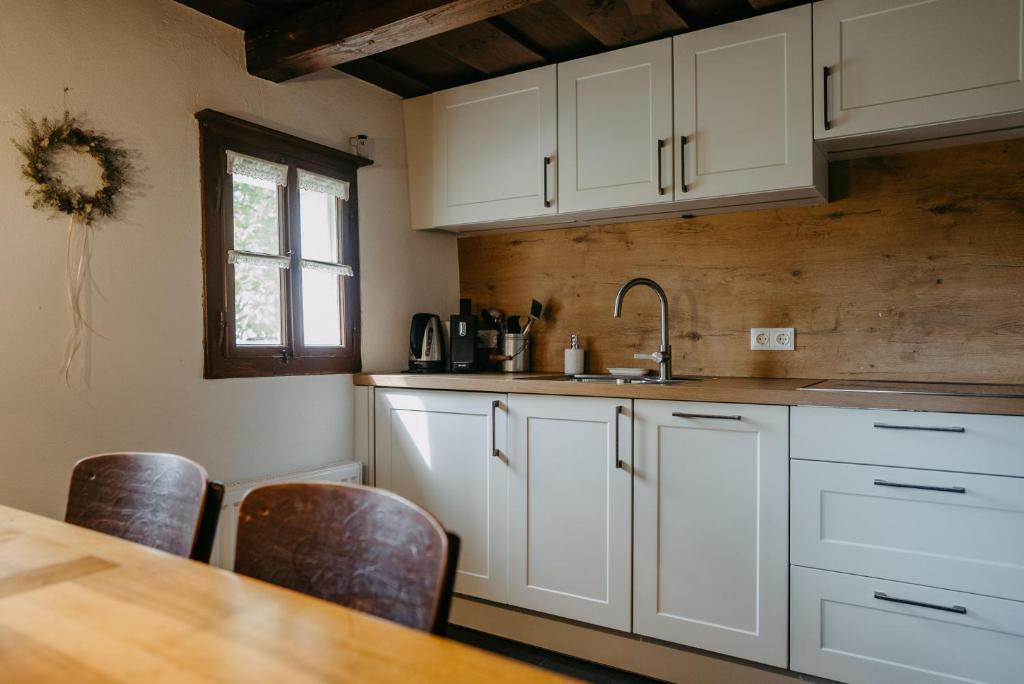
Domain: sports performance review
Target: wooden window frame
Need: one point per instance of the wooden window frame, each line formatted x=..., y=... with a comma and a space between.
x=219, y=133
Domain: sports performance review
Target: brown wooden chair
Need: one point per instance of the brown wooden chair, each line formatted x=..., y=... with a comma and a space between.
x=159, y=500
x=364, y=548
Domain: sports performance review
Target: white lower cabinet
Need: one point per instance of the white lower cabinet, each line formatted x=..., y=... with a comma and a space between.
x=922, y=526
x=437, y=449
x=862, y=630
x=711, y=487
x=570, y=461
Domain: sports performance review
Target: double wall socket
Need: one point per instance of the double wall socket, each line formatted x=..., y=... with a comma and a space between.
x=772, y=339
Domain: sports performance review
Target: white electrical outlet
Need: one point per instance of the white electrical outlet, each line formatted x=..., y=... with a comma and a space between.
x=760, y=339
x=772, y=339
x=783, y=339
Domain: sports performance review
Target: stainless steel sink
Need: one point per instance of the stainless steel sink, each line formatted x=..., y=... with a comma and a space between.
x=616, y=379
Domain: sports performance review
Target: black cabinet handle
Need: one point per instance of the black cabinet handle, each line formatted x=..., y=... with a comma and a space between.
x=706, y=415
x=881, y=596
x=617, y=461
x=825, y=73
x=547, y=163
x=682, y=162
x=925, y=428
x=659, y=150
x=930, y=488
x=494, y=429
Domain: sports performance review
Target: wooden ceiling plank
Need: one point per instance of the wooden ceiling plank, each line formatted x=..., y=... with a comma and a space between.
x=617, y=23
x=769, y=5
x=549, y=31
x=238, y=13
x=487, y=48
x=704, y=13
x=339, y=31
x=373, y=70
x=430, y=64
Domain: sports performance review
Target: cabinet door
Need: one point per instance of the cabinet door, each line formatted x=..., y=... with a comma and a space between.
x=899, y=63
x=494, y=149
x=615, y=128
x=569, y=507
x=743, y=106
x=711, y=486
x=437, y=450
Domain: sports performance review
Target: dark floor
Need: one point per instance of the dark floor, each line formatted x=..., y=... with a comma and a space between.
x=571, y=667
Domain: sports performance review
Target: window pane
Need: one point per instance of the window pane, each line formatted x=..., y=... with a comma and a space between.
x=257, y=304
x=321, y=308
x=319, y=216
x=256, y=215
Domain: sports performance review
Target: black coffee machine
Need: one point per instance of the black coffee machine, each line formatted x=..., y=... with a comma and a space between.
x=463, y=339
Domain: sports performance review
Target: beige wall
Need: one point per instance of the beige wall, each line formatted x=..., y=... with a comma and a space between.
x=139, y=69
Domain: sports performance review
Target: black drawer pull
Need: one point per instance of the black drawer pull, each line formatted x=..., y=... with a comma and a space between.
x=888, y=426
x=930, y=488
x=949, y=609
x=706, y=415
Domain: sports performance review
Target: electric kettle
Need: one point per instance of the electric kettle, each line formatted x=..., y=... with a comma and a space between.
x=426, y=344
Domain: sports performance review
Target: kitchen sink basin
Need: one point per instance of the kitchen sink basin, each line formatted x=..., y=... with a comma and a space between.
x=615, y=379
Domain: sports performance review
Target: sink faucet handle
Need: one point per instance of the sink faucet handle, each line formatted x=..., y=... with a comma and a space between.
x=656, y=357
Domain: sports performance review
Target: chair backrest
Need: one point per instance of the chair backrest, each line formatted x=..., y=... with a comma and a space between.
x=364, y=548
x=152, y=499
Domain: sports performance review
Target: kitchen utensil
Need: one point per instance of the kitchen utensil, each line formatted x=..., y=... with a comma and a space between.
x=499, y=319
x=426, y=344
x=629, y=372
x=490, y=322
x=516, y=350
x=512, y=325
x=536, y=309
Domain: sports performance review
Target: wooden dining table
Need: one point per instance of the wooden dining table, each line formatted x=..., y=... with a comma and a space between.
x=80, y=606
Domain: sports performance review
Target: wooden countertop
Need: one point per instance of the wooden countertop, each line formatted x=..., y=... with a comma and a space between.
x=80, y=606
x=778, y=391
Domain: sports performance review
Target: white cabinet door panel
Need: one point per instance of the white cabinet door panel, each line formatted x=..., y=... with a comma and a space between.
x=711, y=501
x=743, y=106
x=494, y=149
x=436, y=449
x=869, y=520
x=902, y=63
x=842, y=631
x=569, y=508
x=613, y=111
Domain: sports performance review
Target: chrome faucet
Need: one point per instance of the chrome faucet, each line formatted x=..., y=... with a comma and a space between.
x=663, y=357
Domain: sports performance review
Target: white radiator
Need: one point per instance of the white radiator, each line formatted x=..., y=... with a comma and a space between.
x=224, y=543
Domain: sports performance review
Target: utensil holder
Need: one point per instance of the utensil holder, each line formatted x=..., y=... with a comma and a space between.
x=516, y=349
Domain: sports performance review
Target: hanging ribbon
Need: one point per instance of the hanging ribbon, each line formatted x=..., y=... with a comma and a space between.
x=77, y=267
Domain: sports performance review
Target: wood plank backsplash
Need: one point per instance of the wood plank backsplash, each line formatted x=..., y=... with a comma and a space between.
x=914, y=271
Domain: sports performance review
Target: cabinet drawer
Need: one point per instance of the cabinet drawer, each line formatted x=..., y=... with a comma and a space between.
x=843, y=628
x=937, y=441
x=854, y=518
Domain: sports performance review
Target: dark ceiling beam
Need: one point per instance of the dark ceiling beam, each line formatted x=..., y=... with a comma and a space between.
x=340, y=31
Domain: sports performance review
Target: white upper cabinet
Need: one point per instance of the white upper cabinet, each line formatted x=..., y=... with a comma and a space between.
x=615, y=128
x=437, y=449
x=711, y=488
x=491, y=152
x=743, y=107
x=570, y=507
x=881, y=65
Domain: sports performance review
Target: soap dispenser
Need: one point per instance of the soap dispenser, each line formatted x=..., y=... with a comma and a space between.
x=574, y=357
